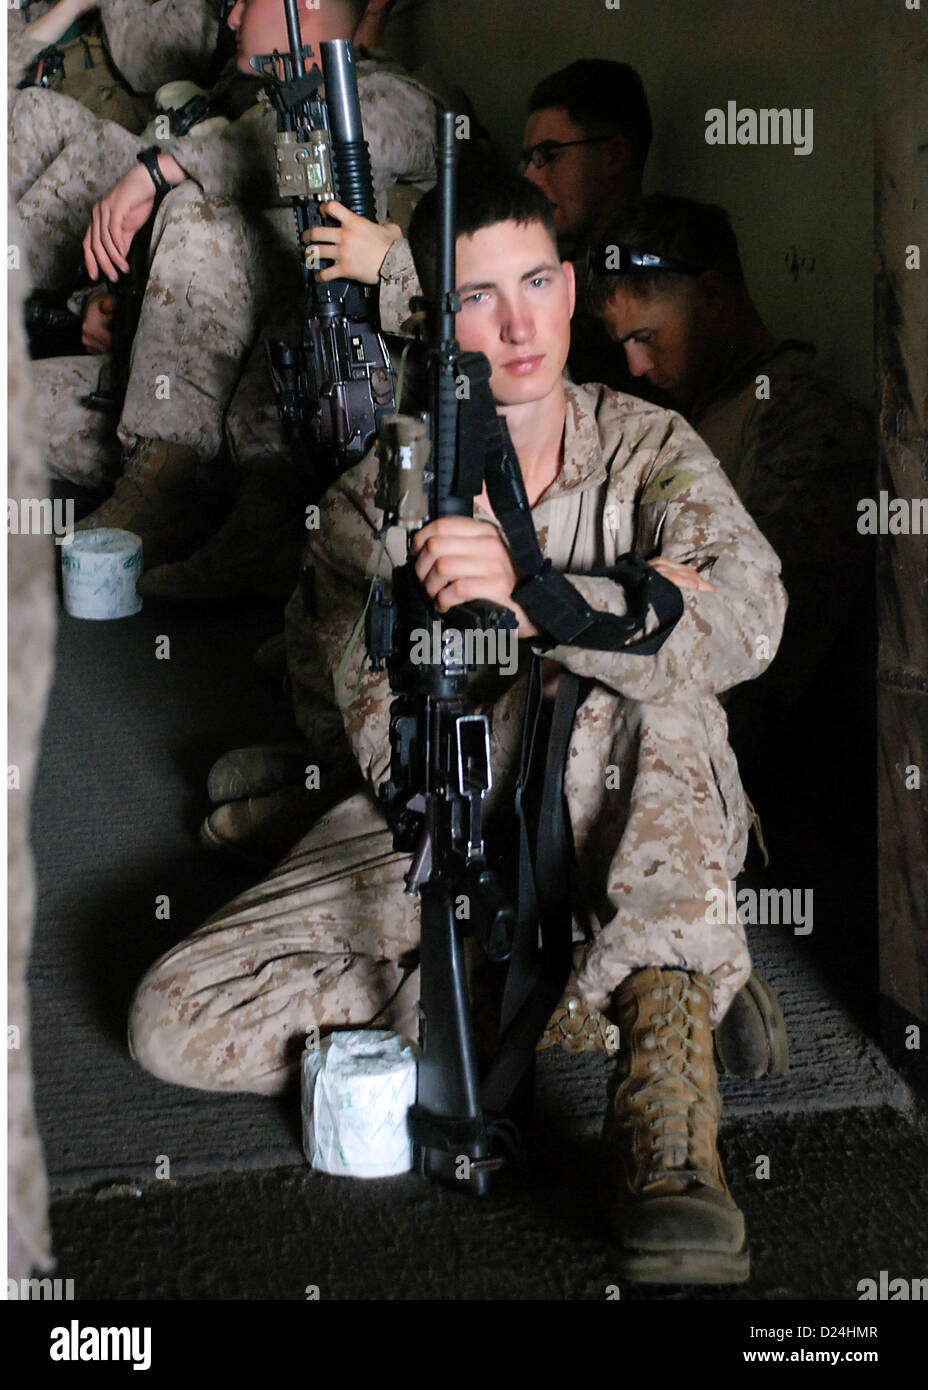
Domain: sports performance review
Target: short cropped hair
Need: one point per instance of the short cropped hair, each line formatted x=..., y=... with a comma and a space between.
x=603, y=97
x=481, y=202
x=677, y=229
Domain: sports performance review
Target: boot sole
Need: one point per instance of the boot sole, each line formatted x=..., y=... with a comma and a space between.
x=768, y=1007
x=684, y=1267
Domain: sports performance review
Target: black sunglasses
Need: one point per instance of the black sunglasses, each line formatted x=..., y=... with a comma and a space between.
x=543, y=153
x=615, y=258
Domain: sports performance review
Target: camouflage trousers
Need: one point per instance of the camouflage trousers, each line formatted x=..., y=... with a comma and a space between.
x=215, y=268
x=330, y=938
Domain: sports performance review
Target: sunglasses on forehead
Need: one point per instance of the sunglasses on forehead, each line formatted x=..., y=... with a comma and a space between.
x=543, y=153
x=615, y=258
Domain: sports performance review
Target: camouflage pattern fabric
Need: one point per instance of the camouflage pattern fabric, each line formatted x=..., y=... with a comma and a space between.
x=800, y=453
x=329, y=938
x=88, y=77
x=78, y=444
x=156, y=41
x=63, y=159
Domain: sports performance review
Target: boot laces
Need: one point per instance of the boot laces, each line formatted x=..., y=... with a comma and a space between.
x=674, y=1125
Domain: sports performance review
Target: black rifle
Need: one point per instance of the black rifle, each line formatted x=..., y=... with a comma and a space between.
x=334, y=386
x=462, y=1124
x=440, y=766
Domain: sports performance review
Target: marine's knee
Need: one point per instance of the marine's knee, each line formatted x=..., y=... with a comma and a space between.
x=159, y=1031
x=182, y=1032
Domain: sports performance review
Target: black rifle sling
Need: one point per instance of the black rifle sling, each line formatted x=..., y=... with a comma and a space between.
x=537, y=974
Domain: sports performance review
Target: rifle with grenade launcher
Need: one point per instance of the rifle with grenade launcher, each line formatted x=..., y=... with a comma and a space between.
x=334, y=386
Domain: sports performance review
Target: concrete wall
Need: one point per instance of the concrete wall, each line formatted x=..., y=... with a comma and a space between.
x=902, y=576
x=815, y=210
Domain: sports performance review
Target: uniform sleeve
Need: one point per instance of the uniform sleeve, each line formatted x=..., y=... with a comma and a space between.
x=399, y=283
x=236, y=162
x=399, y=121
x=157, y=41
x=809, y=456
x=687, y=511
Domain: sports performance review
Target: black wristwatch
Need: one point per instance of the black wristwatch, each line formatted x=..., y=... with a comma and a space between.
x=149, y=158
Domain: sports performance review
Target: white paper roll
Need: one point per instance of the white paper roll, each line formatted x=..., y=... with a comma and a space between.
x=357, y=1088
x=99, y=572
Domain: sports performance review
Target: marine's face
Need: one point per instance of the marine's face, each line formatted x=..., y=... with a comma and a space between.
x=660, y=338
x=517, y=299
x=260, y=26
x=573, y=179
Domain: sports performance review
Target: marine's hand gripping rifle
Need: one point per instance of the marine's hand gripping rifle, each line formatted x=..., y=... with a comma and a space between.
x=334, y=386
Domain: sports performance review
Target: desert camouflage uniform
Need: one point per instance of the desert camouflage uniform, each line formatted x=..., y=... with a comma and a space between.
x=800, y=458
x=330, y=937
x=157, y=41
x=224, y=254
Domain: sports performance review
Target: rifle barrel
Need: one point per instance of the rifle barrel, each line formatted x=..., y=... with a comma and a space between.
x=296, y=40
x=447, y=186
x=445, y=351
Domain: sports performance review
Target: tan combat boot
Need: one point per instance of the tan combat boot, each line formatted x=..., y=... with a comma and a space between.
x=157, y=499
x=670, y=1208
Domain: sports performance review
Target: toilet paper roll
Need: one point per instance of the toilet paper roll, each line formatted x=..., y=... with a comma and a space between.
x=99, y=571
x=357, y=1088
